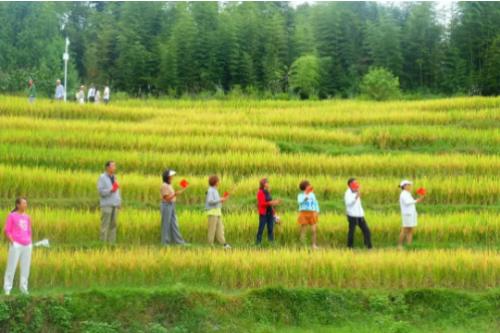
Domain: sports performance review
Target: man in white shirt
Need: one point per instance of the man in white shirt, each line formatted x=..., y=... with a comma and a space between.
x=355, y=213
x=105, y=95
x=91, y=94
x=59, y=95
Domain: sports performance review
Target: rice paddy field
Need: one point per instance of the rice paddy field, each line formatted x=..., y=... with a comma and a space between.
x=447, y=281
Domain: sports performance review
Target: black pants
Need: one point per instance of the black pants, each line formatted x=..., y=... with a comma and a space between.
x=360, y=221
x=265, y=220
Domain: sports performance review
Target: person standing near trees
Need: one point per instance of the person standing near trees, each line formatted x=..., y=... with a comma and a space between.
x=170, y=233
x=91, y=94
x=59, y=94
x=266, y=204
x=31, y=91
x=80, y=95
x=408, y=212
x=110, y=202
x=106, y=95
x=355, y=213
x=18, y=232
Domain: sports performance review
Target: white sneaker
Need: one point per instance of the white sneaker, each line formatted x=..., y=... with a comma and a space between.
x=227, y=246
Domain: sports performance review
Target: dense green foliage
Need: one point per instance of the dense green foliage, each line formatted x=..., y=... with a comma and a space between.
x=158, y=48
x=379, y=84
x=183, y=310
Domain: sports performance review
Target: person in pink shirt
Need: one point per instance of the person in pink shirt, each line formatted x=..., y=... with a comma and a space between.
x=18, y=232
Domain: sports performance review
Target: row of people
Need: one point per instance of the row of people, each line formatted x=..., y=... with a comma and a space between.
x=308, y=208
x=18, y=225
x=93, y=94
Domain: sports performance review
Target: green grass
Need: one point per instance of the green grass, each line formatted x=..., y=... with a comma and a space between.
x=274, y=310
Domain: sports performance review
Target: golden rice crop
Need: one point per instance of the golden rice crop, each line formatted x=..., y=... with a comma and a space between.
x=465, y=269
x=243, y=164
x=47, y=184
x=142, y=227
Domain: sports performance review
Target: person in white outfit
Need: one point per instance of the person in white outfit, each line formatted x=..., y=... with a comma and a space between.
x=80, y=95
x=18, y=232
x=408, y=212
x=106, y=94
x=91, y=94
x=355, y=213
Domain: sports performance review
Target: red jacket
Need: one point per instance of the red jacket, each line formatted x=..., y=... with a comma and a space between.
x=262, y=204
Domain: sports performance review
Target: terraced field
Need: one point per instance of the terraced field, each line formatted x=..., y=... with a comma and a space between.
x=53, y=153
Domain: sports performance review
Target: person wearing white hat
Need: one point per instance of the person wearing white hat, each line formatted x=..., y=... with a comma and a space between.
x=170, y=233
x=408, y=212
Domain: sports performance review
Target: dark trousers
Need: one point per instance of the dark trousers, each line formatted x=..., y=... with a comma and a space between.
x=265, y=220
x=360, y=221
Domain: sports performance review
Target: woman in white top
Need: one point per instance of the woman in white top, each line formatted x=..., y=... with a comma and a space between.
x=408, y=212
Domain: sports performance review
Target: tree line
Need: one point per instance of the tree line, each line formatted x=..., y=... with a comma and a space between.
x=265, y=48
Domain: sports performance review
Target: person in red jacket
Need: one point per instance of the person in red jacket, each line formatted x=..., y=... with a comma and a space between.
x=266, y=204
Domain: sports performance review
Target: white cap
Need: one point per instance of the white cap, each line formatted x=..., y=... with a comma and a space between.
x=404, y=183
x=171, y=173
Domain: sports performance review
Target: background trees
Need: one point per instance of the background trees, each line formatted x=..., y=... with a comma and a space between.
x=157, y=48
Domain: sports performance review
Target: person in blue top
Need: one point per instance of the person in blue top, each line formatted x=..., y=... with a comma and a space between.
x=308, y=211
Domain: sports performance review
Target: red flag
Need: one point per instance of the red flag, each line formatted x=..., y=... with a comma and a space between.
x=184, y=183
x=421, y=191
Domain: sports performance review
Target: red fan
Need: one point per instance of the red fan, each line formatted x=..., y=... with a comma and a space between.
x=184, y=183
x=115, y=187
x=355, y=186
x=226, y=194
x=421, y=191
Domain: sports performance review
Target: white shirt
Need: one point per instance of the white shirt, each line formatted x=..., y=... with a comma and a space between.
x=407, y=203
x=353, y=204
x=91, y=92
x=59, y=92
x=106, y=93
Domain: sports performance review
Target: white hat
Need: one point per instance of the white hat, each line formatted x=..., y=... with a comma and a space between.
x=171, y=173
x=404, y=183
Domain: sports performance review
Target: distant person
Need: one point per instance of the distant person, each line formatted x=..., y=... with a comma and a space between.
x=266, y=204
x=355, y=214
x=106, y=94
x=308, y=212
x=408, y=213
x=91, y=94
x=31, y=91
x=97, y=96
x=110, y=202
x=213, y=205
x=80, y=95
x=59, y=94
x=18, y=232
x=170, y=233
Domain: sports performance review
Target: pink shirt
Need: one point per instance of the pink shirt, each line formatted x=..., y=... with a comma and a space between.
x=18, y=228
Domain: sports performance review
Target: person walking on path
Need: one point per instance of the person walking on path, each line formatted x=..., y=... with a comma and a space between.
x=80, y=95
x=106, y=94
x=170, y=233
x=59, y=94
x=355, y=214
x=110, y=202
x=213, y=205
x=18, y=232
x=91, y=94
x=31, y=91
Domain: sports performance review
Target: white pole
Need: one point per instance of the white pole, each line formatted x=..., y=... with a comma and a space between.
x=66, y=58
